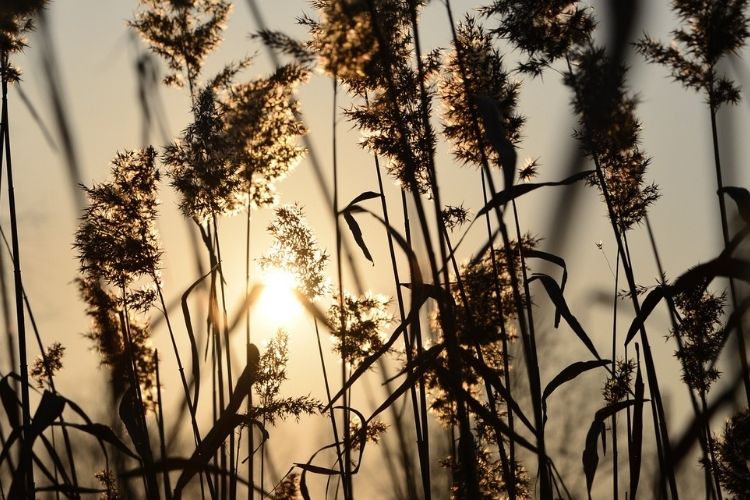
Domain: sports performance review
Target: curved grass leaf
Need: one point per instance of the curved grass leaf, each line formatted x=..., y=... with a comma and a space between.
x=490, y=418
x=489, y=375
x=372, y=358
x=647, y=306
x=567, y=374
x=554, y=259
x=555, y=294
x=10, y=402
x=194, y=357
x=700, y=275
x=503, y=197
x=50, y=408
x=102, y=433
x=590, y=457
x=357, y=234
x=225, y=425
x=636, y=442
x=367, y=195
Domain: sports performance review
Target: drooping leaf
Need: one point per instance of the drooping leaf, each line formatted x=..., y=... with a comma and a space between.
x=369, y=360
x=195, y=359
x=647, y=306
x=489, y=417
x=490, y=376
x=225, y=425
x=590, y=457
x=129, y=410
x=367, y=195
x=567, y=374
x=357, y=234
x=506, y=195
x=555, y=294
x=636, y=442
x=102, y=433
x=554, y=259
x=10, y=402
x=50, y=408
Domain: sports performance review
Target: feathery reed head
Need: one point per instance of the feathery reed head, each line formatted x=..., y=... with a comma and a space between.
x=47, y=365
x=117, y=239
x=295, y=250
x=262, y=126
x=183, y=32
x=201, y=169
x=475, y=68
x=364, y=319
x=711, y=29
x=609, y=132
x=545, y=31
x=699, y=328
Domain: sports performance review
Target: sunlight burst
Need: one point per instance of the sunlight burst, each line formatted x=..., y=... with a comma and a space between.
x=279, y=303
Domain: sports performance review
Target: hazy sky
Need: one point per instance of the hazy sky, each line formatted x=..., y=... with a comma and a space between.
x=95, y=57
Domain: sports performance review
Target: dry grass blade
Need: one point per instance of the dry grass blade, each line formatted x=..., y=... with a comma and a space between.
x=503, y=197
x=636, y=441
x=567, y=374
x=225, y=425
x=590, y=454
x=555, y=294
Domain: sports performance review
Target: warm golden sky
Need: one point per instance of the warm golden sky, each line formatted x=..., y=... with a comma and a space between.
x=95, y=56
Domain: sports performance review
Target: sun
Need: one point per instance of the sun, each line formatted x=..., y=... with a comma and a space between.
x=278, y=302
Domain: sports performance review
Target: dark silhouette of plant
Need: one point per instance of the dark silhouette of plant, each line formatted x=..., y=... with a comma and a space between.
x=544, y=31
x=295, y=250
x=270, y=407
x=609, y=133
x=733, y=450
x=478, y=71
x=183, y=32
x=366, y=318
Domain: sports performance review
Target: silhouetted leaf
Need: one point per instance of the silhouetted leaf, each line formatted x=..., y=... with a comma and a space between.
x=554, y=259
x=128, y=410
x=636, y=442
x=367, y=195
x=225, y=425
x=492, y=377
x=484, y=413
x=369, y=360
x=590, y=453
x=10, y=402
x=741, y=197
x=195, y=359
x=357, y=234
x=567, y=374
x=50, y=408
x=647, y=307
x=503, y=197
x=101, y=433
x=555, y=294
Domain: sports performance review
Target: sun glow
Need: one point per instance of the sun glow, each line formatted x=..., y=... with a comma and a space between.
x=279, y=303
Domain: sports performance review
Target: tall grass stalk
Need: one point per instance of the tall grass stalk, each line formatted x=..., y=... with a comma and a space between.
x=27, y=452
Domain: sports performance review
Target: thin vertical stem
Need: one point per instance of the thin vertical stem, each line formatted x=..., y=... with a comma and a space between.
x=162, y=445
x=26, y=451
x=346, y=479
x=250, y=428
x=615, y=491
x=741, y=348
